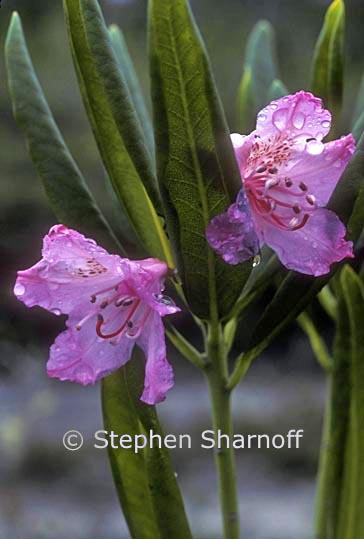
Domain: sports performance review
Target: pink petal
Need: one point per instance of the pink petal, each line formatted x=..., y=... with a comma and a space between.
x=242, y=146
x=321, y=172
x=72, y=269
x=314, y=247
x=80, y=356
x=300, y=114
x=147, y=282
x=158, y=372
x=232, y=234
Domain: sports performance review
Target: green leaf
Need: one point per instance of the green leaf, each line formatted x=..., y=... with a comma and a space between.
x=197, y=170
x=328, y=62
x=69, y=196
x=358, y=128
x=317, y=343
x=115, y=123
x=351, y=524
x=245, y=103
x=277, y=90
x=359, y=103
x=165, y=493
x=129, y=469
x=127, y=68
x=334, y=440
x=260, y=71
x=297, y=291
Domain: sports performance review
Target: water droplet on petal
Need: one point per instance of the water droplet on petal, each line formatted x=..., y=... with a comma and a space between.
x=57, y=312
x=261, y=117
x=315, y=147
x=256, y=260
x=325, y=124
x=19, y=289
x=299, y=120
x=280, y=119
x=314, y=245
x=337, y=164
x=166, y=300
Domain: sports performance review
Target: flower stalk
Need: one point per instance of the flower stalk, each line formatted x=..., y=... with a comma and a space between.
x=217, y=373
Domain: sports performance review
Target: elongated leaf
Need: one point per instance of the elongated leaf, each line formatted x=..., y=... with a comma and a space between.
x=359, y=103
x=197, y=169
x=129, y=468
x=163, y=485
x=358, y=128
x=351, y=523
x=328, y=62
x=260, y=71
x=246, y=104
x=277, y=90
x=127, y=68
x=69, y=196
x=297, y=291
x=334, y=441
x=115, y=124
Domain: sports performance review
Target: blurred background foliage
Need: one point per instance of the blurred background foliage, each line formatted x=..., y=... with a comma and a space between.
x=40, y=481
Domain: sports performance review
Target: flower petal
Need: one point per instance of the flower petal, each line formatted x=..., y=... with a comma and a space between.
x=232, y=234
x=242, y=146
x=73, y=267
x=80, y=356
x=321, y=172
x=314, y=247
x=158, y=372
x=300, y=114
x=147, y=282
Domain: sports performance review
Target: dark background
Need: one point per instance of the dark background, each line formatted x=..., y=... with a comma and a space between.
x=48, y=493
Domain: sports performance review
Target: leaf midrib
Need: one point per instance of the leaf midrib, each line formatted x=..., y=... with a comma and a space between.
x=195, y=160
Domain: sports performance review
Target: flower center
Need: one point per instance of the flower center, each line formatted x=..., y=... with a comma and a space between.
x=118, y=314
x=274, y=196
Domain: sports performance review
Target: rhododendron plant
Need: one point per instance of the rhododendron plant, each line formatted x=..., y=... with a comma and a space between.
x=111, y=302
x=200, y=202
x=288, y=177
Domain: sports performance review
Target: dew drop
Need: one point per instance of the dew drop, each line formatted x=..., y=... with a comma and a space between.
x=299, y=120
x=314, y=245
x=166, y=300
x=261, y=117
x=314, y=147
x=256, y=260
x=19, y=289
x=57, y=312
x=325, y=124
x=280, y=118
x=337, y=164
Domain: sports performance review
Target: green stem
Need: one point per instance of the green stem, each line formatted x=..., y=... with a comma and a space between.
x=216, y=373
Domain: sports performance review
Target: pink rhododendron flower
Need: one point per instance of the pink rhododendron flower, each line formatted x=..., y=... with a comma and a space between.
x=288, y=176
x=111, y=302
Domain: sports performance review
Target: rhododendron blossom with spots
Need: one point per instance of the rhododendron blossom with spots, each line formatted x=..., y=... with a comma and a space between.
x=111, y=302
x=288, y=176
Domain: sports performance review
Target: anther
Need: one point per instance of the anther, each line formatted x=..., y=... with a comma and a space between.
x=93, y=299
x=104, y=304
x=296, y=208
x=303, y=186
x=311, y=200
x=273, y=170
x=288, y=182
x=260, y=169
x=269, y=184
